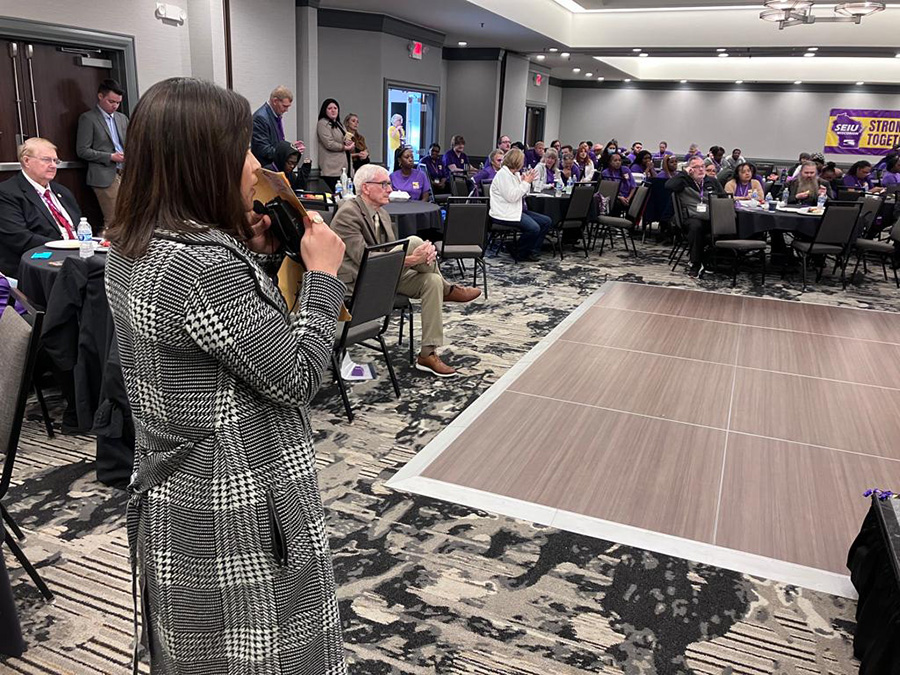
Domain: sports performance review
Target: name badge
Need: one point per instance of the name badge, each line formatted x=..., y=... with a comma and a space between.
x=701, y=208
x=415, y=185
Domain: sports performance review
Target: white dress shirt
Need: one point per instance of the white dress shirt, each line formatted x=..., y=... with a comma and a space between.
x=507, y=192
x=56, y=202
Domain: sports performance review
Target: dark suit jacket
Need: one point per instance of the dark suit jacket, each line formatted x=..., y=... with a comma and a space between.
x=94, y=145
x=25, y=220
x=683, y=185
x=356, y=227
x=265, y=134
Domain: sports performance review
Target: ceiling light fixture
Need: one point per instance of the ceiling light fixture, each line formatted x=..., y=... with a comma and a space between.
x=809, y=55
x=813, y=49
x=565, y=55
x=553, y=49
x=684, y=82
x=739, y=82
x=600, y=78
x=588, y=74
x=721, y=49
x=627, y=79
x=723, y=55
x=643, y=55
x=576, y=70
x=636, y=49
x=540, y=57
x=787, y=13
x=859, y=84
x=462, y=44
x=798, y=81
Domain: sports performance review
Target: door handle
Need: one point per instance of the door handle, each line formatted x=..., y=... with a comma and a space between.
x=29, y=55
x=13, y=56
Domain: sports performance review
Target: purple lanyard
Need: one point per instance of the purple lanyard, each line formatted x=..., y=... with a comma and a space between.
x=742, y=190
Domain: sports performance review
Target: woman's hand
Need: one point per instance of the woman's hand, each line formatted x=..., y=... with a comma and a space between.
x=364, y=154
x=261, y=241
x=322, y=250
x=529, y=176
x=349, y=145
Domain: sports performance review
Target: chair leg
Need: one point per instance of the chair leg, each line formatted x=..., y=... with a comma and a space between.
x=390, y=366
x=336, y=364
x=803, y=270
x=859, y=256
x=32, y=572
x=762, y=253
x=412, y=338
x=734, y=270
x=633, y=245
x=883, y=268
x=481, y=262
x=13, y=525
x=402, y=321
x=896, y=280
x=45, y=413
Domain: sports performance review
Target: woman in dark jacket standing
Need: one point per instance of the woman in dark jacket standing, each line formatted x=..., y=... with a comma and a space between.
x=225, y=521
x=335, y=143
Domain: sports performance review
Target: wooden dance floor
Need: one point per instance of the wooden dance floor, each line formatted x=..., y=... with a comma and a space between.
x=730, y=430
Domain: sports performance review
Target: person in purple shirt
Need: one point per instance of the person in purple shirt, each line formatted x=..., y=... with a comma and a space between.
x=891, y=175
x=895, y=152
x=663, y=151
x=615, y=171
x=437, y=172
x=6, y=296
x=455, y=159
x=636, y=147
x=569, y=169
x=859, y=175
x=534, y=156
x=669, y=166
x=643, y=163
x=693, y=151
x=489, y=170
x=409, y=179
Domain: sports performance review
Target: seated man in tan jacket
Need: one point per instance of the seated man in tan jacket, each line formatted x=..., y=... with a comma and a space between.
x=363, y=222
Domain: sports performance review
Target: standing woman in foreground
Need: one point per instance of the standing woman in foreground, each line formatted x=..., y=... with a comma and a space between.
x=225, y=521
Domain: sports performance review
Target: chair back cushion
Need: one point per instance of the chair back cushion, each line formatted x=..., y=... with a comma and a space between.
x=466, y=224
x=376, y=284
x=580, y=202
x=637, y=202
x=722, y=217
x=868, y=214
x=838, y=224
x=15, y=338
x=609, y=189
x=459, y=186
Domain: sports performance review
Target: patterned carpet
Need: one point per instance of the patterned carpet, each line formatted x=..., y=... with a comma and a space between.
x=431, y=587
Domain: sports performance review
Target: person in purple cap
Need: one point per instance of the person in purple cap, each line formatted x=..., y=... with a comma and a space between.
x=409, y=179
x=860, y=176
x=615, y=171
x=663, y=151
x=489, y=170
x=455, y=159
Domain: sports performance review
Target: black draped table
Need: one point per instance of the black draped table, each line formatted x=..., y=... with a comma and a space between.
x=413, y=217
x=552, y=206
x=79, y=336
x=874, y=563
x=751, y=221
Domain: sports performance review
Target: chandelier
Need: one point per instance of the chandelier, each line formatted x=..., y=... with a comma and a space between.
x=788, y=13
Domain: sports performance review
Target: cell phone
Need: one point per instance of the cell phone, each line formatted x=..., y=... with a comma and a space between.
x=287, y=224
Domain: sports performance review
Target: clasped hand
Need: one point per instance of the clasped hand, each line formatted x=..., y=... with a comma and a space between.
x=424, y=254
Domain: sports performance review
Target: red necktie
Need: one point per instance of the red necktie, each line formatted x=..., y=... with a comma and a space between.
x=60, y=218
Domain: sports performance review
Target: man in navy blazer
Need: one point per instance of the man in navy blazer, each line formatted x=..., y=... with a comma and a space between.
x=34, y=209
x=268, y=127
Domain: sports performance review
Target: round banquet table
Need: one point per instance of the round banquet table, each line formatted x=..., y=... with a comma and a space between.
x=78, y=335
x=413, y=217
x=755, y=221
x=555, y=207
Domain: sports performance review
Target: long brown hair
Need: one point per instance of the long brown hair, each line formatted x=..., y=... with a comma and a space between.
x=187, y=142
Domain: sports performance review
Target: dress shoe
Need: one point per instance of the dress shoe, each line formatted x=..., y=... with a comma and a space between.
x=461, y=294
x=433, y=364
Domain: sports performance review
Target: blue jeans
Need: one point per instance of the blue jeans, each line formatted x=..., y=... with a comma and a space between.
x=533, y=227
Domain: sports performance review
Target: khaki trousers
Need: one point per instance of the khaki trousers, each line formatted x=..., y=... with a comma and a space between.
x=107, y=198
x=424, y=282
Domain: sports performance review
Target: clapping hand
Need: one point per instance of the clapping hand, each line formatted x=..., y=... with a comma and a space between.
x=299, y=146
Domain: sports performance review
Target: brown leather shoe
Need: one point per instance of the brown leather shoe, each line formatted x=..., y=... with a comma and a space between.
x=462, y=294
x=433, y=364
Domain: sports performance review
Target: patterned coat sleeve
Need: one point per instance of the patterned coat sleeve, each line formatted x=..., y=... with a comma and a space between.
x=280, y=356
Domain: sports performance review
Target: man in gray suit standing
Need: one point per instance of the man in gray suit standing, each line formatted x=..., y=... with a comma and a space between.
x=101, y=143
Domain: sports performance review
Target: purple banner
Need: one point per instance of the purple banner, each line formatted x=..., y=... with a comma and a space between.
x=862, y=132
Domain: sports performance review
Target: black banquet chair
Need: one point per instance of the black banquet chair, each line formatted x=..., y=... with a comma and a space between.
x=370, y=307
x=465, y=235
x=723, y=225
x=832, y=238
x=627, y=224
x=576, y=217
x=18, y=348
x=885, y=251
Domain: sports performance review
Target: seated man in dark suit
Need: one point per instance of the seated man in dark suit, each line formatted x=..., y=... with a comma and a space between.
x=693, y=187
x=268, y=127
x=362, y=222
x=34, y=209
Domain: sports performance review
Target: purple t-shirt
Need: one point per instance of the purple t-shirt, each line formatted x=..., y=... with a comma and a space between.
x=414, y=184
x=576, y=174
x=6, y=296
x=436, y=169
x=854, y=182
x=890, y=178
x=656, y=155
x=487, y=173
x=461, y=161
x=687, y=157
x=626, y=180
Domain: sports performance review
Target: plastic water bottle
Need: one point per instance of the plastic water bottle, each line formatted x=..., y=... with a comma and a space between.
x=85, y=236
x=344, y=179
x=569, y=184
x=820, y=202
x=350, y=190
x=338, y=192
x=755, y=196
x=559, y=186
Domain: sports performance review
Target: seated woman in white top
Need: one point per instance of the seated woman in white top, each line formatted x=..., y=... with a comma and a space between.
x=508, y=190
x=547, y=170
x=584, y=162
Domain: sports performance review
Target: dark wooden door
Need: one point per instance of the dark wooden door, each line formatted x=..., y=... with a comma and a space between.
x=54, y=89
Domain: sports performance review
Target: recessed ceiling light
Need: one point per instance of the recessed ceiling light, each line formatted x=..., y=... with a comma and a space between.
x=627, y=79
x=739, y=82
x=798, y=81
x=462, y=44
x=859, y=84
x=565, y=55
x=808, y=54
x=684, y=82
x=553, y=49
x=600, y=78
x=721, y=49
x=636, y=49
x=576, y=70
x=540, y=57
x=897, y=56
x=813, y=49
x=723, y=55
x=588, y=74
x=643, y=55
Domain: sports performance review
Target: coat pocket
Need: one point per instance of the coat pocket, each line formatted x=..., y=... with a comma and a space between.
x=276, y=530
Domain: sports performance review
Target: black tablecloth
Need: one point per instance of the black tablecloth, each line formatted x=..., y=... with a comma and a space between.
x=412, y=217
x=554, y=207
x=755, y=221
x=11, y=643
x=875, y=573
x=79, y=336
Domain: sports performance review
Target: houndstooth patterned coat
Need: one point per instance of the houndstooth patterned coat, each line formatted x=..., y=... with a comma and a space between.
x=225, y=522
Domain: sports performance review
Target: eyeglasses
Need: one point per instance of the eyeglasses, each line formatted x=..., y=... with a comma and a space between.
x=47, y=160
x=385, y=184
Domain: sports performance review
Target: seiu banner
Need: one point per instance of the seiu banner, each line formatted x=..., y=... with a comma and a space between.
x=862, y=132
